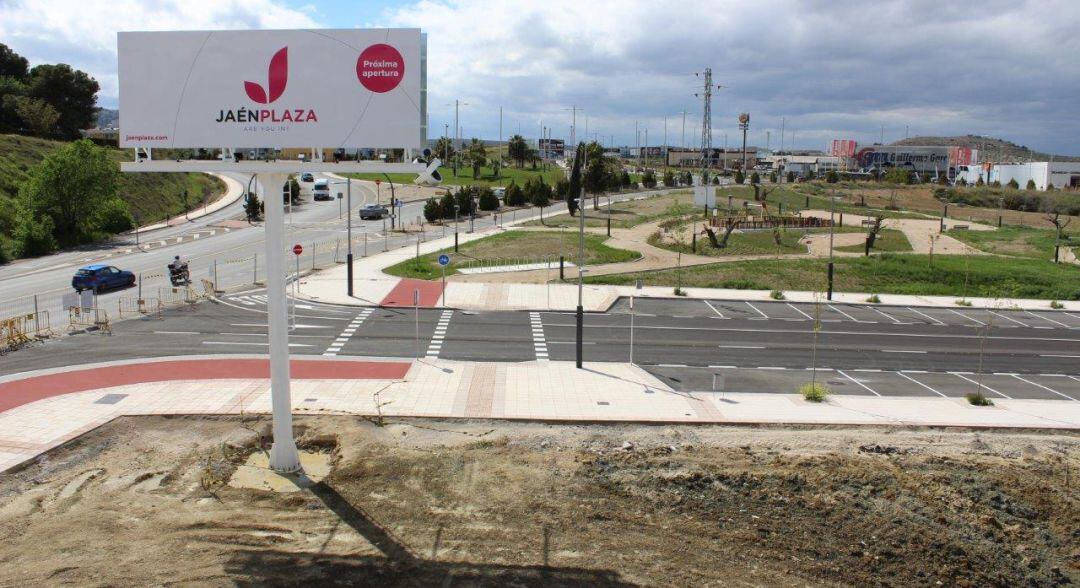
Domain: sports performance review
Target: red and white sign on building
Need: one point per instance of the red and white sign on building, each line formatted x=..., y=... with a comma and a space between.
x=842, y=148
x=963, y=156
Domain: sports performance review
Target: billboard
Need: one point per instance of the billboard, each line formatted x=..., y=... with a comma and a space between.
x=250, y=89
x=963, y=156
x=842, y=148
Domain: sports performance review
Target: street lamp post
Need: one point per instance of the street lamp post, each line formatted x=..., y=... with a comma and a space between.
x=348, y=233
x=456, y=207
x=832, y=210
x=581, y=265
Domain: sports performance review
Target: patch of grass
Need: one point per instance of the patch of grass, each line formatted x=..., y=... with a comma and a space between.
x=1017, y=241
x=949, y=275
x=978, y=399
x=628, y=214
x=748, y=243
x=888, y=240
x=815, y=392
x=511, y=247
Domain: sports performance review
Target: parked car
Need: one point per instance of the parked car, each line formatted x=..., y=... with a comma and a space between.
x=307, y=177
x=101, y=277
x=373, y=212
x=321, y=190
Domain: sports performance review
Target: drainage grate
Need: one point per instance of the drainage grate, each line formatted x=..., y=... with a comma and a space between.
x=837, y=383
x=603, y=403
x=311, y=400
x=110, y=399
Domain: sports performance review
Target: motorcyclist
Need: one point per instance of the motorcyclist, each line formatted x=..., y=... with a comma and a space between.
x=178, y=270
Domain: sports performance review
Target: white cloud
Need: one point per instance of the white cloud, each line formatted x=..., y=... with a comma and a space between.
x=82, y=33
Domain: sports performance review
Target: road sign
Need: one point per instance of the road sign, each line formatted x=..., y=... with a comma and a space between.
x=297, y=249
x=444, y=260
x=377, y=182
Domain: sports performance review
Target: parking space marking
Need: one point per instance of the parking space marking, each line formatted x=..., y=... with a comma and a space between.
x=718, y=313
x=1043, y=387
x=963, y=377
x=539, y=345
x=1057, y=355
x=841, y=372
x=901, y=351
x=980, y=323
x=763, y=315
x=843, y=313
x=1009, y=319
x=888, y=316
x=347, y=333
x=741, y=346
x=440, y=333
x=1046, y=319
x=903, y=375
x=793, y=307
x=936, y=321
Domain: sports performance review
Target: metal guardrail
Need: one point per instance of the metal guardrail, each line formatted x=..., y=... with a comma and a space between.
x=141, y=306
x=23, y=329
x=86, y=318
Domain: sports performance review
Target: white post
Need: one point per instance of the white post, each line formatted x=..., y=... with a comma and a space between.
x=283, y=454
x=631, y=329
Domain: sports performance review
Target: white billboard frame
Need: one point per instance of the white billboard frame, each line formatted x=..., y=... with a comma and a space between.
x=335, y=88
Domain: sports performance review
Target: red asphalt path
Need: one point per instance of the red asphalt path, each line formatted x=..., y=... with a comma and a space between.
x=402, y=294
x=19, y=392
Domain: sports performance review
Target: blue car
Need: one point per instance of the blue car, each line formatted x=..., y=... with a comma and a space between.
x=100, y=277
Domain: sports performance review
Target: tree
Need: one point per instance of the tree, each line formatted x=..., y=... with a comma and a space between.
x=541, y=197
x=38, y=116
x=574, y=190
x=518, y=149
x=648, y=179
x=294, y=191
x=34, y=235
x=12, y=65
x=625, y=181
x=71, y=92
x=669, y=179
x=562, y=185
x=488, y=200
x=873, y=232
x=113, y=216
x=253, y=208
x=446, y=206
x=739, y=176
x=432, y=210
x=68, y=186
x=790, y=177
x=687, y=178
x=444, y=149
x=755, y=178
x=1031, y=184
x=1014, y=184
x=832, y=177
x=514, y=196
x=464, y=198
x=899, y=175
x=772, y=177
x=477, y=156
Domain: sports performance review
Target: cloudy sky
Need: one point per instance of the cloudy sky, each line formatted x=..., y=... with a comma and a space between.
x=823, y=70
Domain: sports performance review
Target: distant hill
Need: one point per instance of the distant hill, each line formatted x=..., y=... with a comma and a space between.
x=150, y=196
x=108, y=118
x=990, y=147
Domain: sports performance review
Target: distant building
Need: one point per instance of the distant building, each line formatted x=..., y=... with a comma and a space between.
x=1062, y=174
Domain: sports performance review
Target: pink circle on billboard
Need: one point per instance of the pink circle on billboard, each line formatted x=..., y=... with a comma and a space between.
x=380, y=68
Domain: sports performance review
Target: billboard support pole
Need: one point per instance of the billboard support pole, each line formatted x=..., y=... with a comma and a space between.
x=283, y=454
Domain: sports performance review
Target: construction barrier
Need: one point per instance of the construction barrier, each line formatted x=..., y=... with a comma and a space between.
x=178, y=296
x=84, y=318
x=771, y=222
x=141, y=306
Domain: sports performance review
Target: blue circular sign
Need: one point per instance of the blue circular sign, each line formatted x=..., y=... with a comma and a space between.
x=444, y=259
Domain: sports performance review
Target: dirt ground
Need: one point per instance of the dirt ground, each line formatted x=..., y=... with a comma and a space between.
x=141, y=501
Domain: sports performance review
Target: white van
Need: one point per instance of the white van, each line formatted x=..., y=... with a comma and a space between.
x=321, y=189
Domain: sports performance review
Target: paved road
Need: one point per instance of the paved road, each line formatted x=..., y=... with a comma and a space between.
x=758, y=347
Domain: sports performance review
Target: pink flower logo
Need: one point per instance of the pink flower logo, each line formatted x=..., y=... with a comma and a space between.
x=277, y=77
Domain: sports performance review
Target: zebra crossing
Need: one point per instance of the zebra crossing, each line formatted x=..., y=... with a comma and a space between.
x=440, y=333
x=347, y=333
x=539, y=343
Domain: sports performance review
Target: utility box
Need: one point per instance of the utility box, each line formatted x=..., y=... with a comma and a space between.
x=705, y=195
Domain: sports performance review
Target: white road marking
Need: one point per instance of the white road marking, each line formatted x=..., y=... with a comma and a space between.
x=841, y=372
x=939, y=323
x=440, y=332
x=903, y=375
x=741, y=346
x=251, y=343
x=720, y=314
x=1050, y=320
x=723, y=367
x=966, y=316
x=671, y=365
x=333, y=349
x=1009, y=319
x=176, y=332
x=901, y=351
x=770, y=368
x=890, y=317
x=843, y=313
x=1055, y=355
x=963, y=377
x=793, y=307
x=539, y=345
x=1043, y=387
x=763, y=315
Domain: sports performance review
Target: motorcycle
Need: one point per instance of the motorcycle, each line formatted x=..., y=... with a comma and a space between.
x=178, y=275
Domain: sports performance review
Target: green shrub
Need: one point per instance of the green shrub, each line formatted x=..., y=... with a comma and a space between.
x=874, y=299
x=790, y=177
x=963, y=302
x=978, y=399
x=488, y=199
x=113, y=217
x=815, y=392
x=1031, y=184
x=432, y=210
x=515, y=196
x=648, y=179
x=776, y=295
x=34, y=236
x=1014, y=184
x=1056, y=305
x=832, y=177
x=755, y=178
x=680, y=292
x=772, y=177
x=740, y=177
x=669, y=179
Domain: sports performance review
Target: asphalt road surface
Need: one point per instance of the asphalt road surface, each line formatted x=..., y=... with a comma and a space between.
x=691, y=344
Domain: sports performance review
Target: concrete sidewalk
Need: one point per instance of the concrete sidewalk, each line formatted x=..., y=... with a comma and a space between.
x=46, y=416
x=371, y=287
